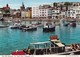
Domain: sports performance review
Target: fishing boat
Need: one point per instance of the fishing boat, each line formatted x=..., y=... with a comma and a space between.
x=49, y=27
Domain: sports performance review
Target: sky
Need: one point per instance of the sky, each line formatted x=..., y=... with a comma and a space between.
x=15, y=4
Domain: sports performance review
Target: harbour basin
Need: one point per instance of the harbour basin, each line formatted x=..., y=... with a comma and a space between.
x=11, y=40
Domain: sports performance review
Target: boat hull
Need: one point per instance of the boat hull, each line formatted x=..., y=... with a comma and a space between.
x=73, y=25
x=49, y=29
x=14, y=27
x=31, y=29
x=3, y=26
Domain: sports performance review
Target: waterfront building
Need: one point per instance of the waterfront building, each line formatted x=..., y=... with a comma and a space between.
x=29, y=12
x=73, y=12
x=55, y=13
x=45, y=11
x=35, y=12
x=62, y=14
x=16, y=13
x=23, y=14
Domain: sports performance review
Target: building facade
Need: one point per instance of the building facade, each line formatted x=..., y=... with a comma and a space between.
x=73, y=12
x=55, y=13
x=29, y=12
x=45, y=11
x=35, y=12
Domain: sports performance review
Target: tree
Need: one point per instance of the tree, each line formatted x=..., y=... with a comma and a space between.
x=55, y=4
x=67, y=4
x=7, y=11
x=61, y=7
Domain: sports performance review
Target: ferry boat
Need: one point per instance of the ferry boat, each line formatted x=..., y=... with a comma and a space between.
x=49, y=27
x=53, y=46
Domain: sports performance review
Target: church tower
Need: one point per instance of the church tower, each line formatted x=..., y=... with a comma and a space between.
x=22, y=7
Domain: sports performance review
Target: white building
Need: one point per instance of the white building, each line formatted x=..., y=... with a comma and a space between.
x=41, y=12
x=73, y=12
x=55, y=13
x=23, y=14
x=35, y=12
x=45, y=13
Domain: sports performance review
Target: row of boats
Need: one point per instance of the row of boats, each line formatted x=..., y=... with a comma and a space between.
x=48, y=27
x=71, y=23
x=52, y=46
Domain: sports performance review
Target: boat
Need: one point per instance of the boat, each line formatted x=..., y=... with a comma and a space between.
x=65, y=23
x=53, y=46
x=22, y=26
x=49, y=27
x=30, y=28
x=3, y=26
x=14, y=26
x=1, y=19
x=39, y=24
x=73, y=23
x=47, y=47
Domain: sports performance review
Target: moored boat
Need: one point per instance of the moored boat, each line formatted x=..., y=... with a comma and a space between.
x=3, y=26
x=49, y=27
x=30, y=28
x=73, y=23
x=15, y=26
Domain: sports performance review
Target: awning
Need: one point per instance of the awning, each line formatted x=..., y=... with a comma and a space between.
x=59, y=44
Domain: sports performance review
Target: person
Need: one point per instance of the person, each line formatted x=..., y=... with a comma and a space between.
x=28, y=51
x=75, y=47
x=78, y=47
x=72, y=47
x=25, y=50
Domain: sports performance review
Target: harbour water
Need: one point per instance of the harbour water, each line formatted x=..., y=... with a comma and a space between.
x=11, y=40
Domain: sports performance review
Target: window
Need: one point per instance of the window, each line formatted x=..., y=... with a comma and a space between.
x=42, y=14
x=42, y=10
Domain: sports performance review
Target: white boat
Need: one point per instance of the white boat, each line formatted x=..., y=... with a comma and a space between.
x=15, y=26
x=3, y=26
